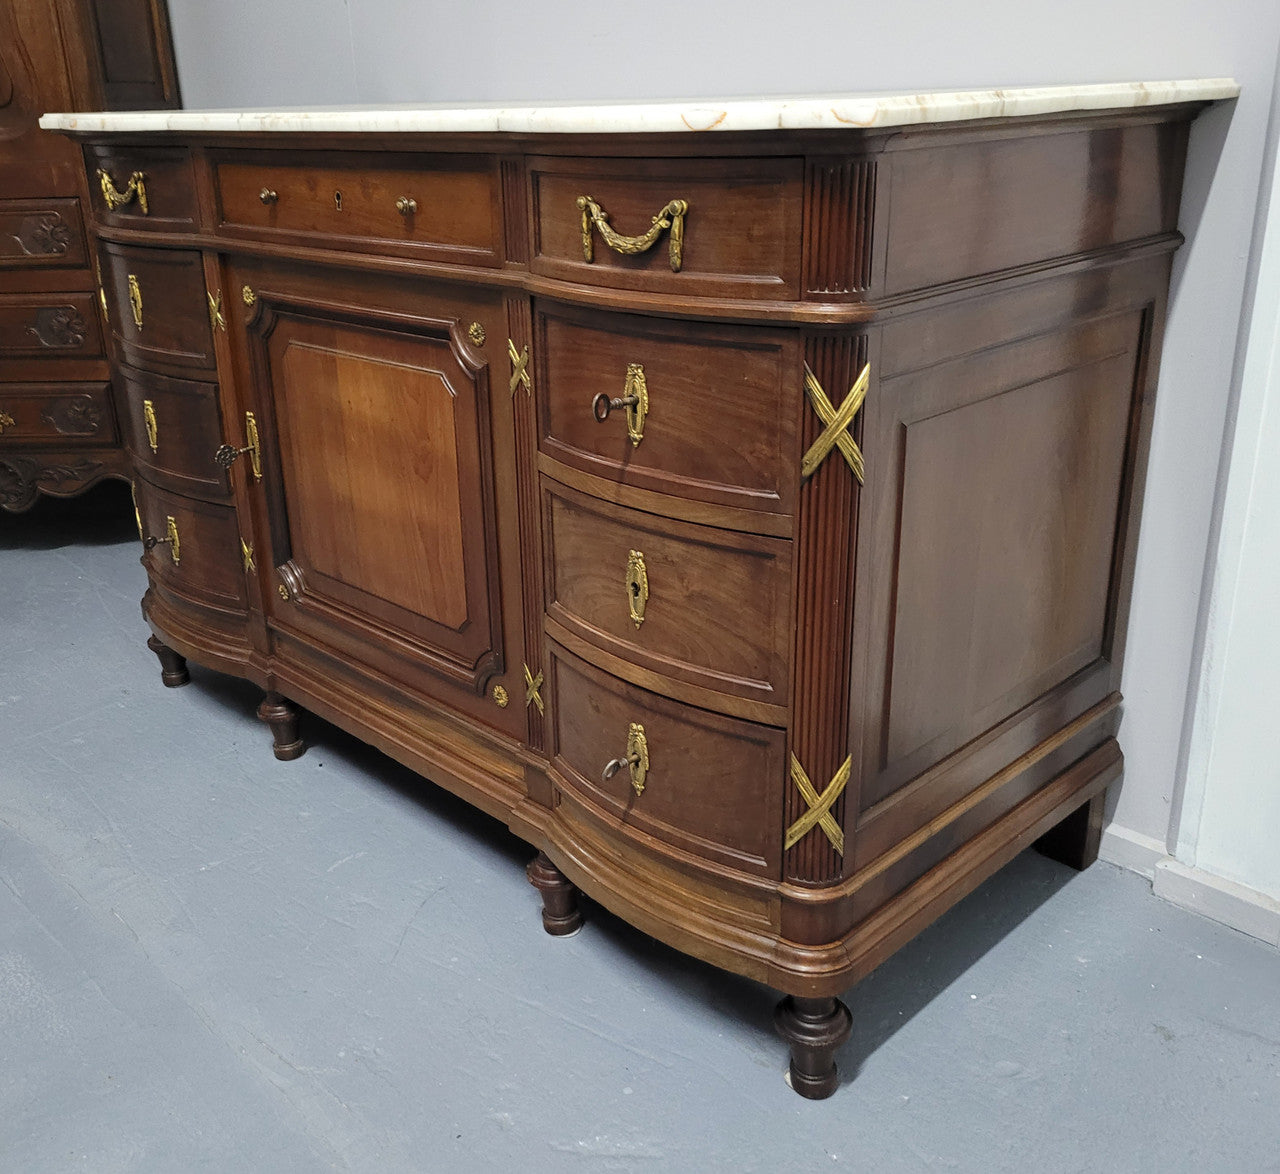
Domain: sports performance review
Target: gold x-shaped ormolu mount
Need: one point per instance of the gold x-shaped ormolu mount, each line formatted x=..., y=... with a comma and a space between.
x=835, y=434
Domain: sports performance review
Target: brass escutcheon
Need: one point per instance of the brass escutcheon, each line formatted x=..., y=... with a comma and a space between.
x=636, y=760
x=637, y=582
x=135, y=300
x=634, y=400
x=149, y=421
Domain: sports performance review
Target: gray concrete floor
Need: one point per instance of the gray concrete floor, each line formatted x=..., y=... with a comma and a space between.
x=210, y=960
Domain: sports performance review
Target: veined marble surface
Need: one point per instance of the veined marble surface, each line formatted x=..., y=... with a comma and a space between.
x=829, y=112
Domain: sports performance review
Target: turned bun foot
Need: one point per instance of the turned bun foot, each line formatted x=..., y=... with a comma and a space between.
x=282, y=717
x=560, y=912
x=814, y=1028
x=173, y=667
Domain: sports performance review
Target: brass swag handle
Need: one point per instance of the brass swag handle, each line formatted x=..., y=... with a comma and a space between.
x=136, y=188
x=149, y=421
x=228, y=454
x=634, y=399
x=170, y=540
x=636, y=760
x=672, y=217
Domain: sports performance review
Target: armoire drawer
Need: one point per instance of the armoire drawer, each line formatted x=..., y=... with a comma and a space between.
x=734, y=226
x=713, y=786
x=195, y=549
x=142, y=187
x=708, y=608
x=61, y=413
x=173, y=428
x=48, y=326
x=158, y=307
x=436, y=203
x=722, y=405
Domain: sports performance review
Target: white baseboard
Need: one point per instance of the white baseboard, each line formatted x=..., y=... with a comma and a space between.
x=1132, y=850
x=1242, y=908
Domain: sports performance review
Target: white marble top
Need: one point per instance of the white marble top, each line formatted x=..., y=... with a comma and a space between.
x=829, y=112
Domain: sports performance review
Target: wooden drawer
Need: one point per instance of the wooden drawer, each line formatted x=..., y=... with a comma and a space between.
x=151, y=188
x=173, y=428
x=158, y=307
x=714, y=784
x=722, y=415
x=714, y=606
x=66, y=413
x=49, y=326
x=741, y=232
x=455, y=211
x=42, y=234
x=205, y=565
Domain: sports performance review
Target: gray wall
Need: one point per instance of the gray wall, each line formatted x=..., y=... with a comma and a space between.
x=238, y=53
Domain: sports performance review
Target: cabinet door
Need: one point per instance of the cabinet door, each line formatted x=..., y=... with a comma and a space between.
x=372, y=410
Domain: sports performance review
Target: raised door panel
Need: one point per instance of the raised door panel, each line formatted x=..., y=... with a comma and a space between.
x=991, y=558
x=378, y=469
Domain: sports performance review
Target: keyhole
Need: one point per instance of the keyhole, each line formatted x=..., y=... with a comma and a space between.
x=337, y=201
x=635, y=589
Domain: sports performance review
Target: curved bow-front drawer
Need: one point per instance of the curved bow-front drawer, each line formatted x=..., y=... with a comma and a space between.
x=148, y=188
x=438, y=207
x=173, y=429
x=193, y=549
x=712, y=785
x=672, y=604
x=720, y=417
x=158, y=307
x=729, y=228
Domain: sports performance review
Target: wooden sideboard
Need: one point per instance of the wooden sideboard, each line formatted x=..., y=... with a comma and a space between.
x=58, y=429
x=747, y=519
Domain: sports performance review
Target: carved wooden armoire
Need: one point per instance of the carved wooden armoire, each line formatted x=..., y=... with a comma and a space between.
x=58, y=428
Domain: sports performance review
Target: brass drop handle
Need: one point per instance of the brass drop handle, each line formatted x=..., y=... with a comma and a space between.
x=634, y=401
x=636, y=760
x=6, y=421
x=406, y=205
x=228, y=454
x=268, y=196
x=171, y=540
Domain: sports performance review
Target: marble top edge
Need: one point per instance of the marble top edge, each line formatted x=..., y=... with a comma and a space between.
x=816, y=112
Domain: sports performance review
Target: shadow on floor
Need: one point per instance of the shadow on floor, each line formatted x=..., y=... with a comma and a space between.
x=101, y=516
x=882, y=1004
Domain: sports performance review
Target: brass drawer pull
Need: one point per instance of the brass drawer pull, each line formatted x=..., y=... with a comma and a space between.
x=228, y=454
x=637, y=759
x=170, y=540
x=149, y=420
x=6, y=421
x=135, y=300
x=406, y=205
x=135, y=189
x=635, y=399
x=268, y=196
x=637, y=582
x=672, y=217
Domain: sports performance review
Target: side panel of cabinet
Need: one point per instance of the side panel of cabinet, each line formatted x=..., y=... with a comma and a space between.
x=387, y=474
